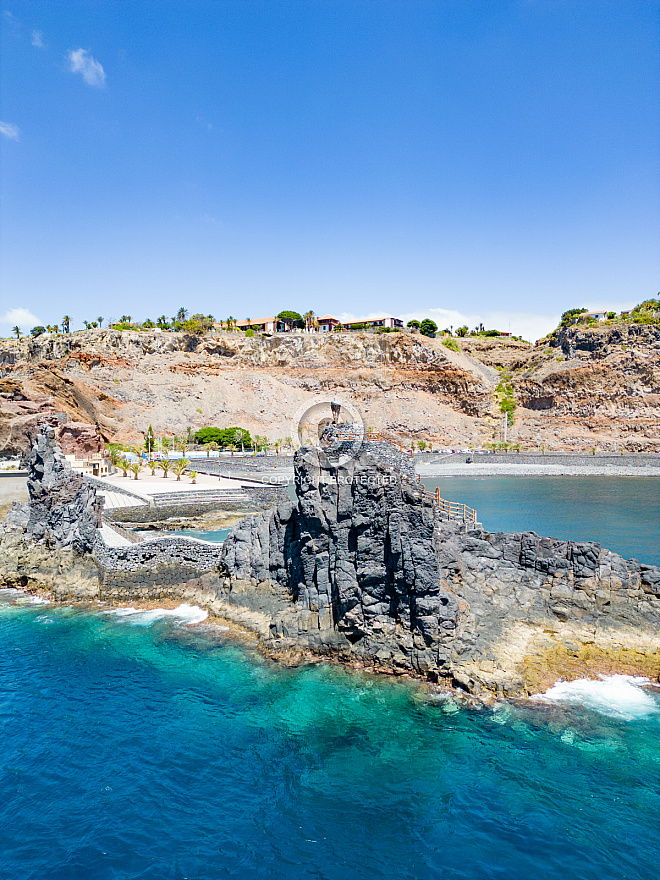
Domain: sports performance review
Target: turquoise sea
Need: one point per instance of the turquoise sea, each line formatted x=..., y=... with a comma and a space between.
x=620, y=513
x=139, y=746
x=149, y=745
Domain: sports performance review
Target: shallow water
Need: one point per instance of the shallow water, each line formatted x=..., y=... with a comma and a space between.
x=165, y=751
x=620, y=513
x=217, y=536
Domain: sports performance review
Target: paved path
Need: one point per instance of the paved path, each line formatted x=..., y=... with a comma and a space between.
x=115, y=500
x=113, y=538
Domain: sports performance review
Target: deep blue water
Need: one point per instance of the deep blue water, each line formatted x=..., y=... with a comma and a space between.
x=620, y=513
x=166, y=751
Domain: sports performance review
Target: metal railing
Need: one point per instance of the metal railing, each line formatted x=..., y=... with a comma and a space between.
x=455, y=510
x=450, y=509
x=376, y=435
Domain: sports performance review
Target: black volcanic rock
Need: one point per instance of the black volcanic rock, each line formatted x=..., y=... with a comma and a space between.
x=363, y=565
x=63, y=509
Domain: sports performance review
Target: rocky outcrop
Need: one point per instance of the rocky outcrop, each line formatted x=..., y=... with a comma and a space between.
x=63, y=510
x=363, y=567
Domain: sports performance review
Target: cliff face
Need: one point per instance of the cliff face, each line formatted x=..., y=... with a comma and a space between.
x=363, y=567
x=584, y=387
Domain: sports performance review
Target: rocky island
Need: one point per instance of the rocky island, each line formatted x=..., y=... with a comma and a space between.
x=365, y=568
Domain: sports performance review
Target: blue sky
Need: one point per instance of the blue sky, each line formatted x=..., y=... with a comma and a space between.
x=465, y=159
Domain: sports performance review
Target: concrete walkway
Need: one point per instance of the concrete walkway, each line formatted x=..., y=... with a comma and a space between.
x=112, y=538
x=146, y=485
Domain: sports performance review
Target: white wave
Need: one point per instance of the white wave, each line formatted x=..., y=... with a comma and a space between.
x=22, y=599
x=619, y=696
x=184, y=614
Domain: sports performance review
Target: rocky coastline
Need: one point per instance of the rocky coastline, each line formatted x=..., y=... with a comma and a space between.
x=362, y=568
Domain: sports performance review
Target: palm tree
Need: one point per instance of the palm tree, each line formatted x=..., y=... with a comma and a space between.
x=123, y=464
x=162, y=322
x=239, y=435
x=165, y=464
x=181, y=443
x=182, y=314
x=99, y=321
x=231, y=447
x=193, y=476
x=179, y=467
x=115, y=455
x=152, y=464
x=17, y=331
x=135, y=467
x=66, y=324
x=211, y=447
x=87, y=325
x=308, y=318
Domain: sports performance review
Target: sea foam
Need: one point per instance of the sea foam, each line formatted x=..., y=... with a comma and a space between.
x=619, y=696
x=184, y=614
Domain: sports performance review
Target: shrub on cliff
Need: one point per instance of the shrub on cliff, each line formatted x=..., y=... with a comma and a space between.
x=291, y=319
x=570, y=314
x=428, y=327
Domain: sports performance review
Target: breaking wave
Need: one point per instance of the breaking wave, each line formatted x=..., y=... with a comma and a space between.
x=619, y=696
x=184, y=614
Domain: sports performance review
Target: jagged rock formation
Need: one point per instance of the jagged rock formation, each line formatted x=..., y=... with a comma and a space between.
x=363, y=567
x=63, y=510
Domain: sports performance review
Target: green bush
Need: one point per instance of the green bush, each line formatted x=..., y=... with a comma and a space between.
x=223, y=436
x=249, y=332
x=450, y=342
x=568, y=315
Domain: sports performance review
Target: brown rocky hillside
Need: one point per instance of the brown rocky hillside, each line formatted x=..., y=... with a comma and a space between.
x=595, y=386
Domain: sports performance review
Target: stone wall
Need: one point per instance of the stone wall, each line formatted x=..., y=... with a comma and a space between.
x=154, y=568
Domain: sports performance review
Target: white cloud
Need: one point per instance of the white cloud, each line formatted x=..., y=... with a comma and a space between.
x=38, y=40
x=8, y=130
x=526, y=324
x=23, y=318
x=80, y=61
x=529, y=325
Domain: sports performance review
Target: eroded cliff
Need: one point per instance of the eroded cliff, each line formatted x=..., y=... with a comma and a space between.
x=592, y=387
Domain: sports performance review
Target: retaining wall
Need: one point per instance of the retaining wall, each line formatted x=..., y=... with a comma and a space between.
x=152, y=569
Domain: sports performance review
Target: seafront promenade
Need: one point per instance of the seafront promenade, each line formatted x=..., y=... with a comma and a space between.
x=537, y=465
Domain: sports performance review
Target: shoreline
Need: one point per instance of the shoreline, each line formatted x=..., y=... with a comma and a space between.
x=542, y=669
x=517, y=469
